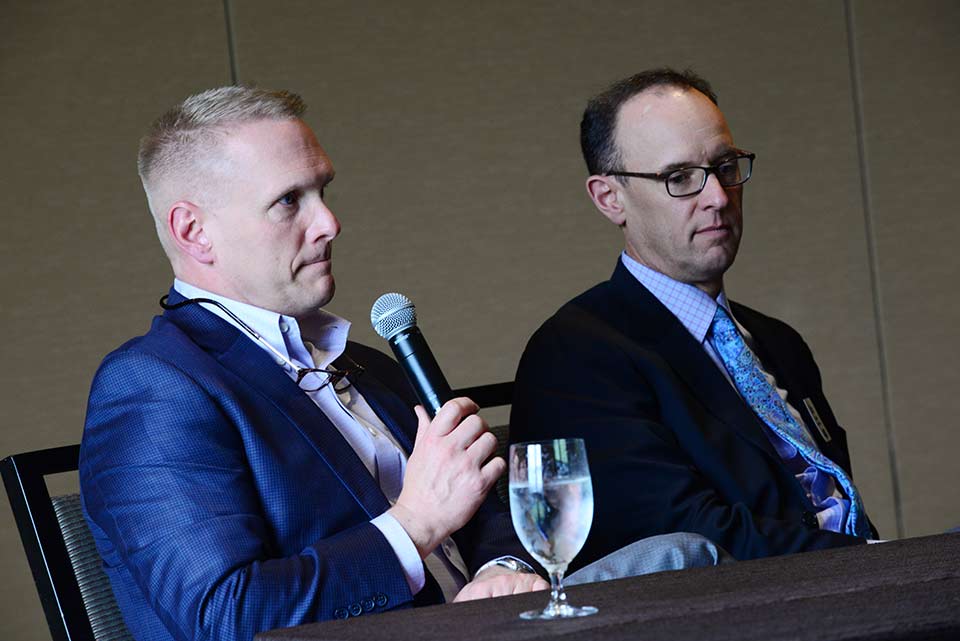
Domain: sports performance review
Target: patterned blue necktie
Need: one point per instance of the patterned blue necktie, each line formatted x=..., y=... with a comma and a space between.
x=744, y=368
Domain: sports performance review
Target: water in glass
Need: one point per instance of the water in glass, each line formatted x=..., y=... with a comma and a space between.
x=551, y=504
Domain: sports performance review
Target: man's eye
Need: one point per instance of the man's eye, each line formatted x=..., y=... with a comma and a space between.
x=288, y=200
x=728, y=172
x=729, y=167
x=681, y=177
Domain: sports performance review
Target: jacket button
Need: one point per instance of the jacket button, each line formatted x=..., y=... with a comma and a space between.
x=381, y=600
x=341, y=613
x=810, y=520
x=355, y=609
x=368, y=604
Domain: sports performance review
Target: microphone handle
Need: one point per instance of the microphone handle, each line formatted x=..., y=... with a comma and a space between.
x=412, y=352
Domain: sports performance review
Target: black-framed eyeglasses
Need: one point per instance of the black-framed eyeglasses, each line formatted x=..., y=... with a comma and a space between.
x=690, y=181
x=338, y=378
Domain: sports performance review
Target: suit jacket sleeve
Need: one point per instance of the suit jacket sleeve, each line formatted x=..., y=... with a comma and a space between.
x=165, y=480
x=574, y=383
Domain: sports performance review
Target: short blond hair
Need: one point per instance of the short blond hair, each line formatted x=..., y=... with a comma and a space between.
x=177, y=136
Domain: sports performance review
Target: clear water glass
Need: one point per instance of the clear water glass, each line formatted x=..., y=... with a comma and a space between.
x=551, y=504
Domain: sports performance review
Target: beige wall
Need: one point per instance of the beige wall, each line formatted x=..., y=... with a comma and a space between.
x=910, y=88
x=453, y=127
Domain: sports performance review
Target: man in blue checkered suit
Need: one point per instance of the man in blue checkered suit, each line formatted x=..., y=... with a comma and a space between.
x=244, y=466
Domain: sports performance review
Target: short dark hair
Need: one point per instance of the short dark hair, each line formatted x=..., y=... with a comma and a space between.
x=599, y=123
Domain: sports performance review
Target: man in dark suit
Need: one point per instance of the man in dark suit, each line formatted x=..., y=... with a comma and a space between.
x=244, y=466
x=699, y=415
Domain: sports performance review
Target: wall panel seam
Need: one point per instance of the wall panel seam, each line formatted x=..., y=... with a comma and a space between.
x=857, y=93
x=231, y=44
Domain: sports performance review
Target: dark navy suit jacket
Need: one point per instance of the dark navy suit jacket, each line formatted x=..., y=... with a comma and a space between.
x=671, y=445
x=223, y=501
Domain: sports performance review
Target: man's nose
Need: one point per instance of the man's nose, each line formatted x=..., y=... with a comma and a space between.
x=714, y=194
x=325, y=225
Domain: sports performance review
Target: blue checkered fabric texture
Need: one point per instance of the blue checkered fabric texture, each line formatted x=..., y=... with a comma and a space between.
x=747, y=374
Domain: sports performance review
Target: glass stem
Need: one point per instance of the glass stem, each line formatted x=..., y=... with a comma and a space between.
x=558, y=598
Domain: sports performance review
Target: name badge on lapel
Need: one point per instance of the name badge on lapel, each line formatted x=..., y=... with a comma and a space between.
x=816, y=420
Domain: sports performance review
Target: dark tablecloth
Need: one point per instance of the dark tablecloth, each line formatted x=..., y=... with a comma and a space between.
x=900, y=590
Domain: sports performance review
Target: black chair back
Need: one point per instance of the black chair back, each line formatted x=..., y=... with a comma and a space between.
x=492, y=395
x=60, y=548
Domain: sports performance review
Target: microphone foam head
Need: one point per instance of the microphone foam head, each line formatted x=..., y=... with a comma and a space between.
x=392, y=313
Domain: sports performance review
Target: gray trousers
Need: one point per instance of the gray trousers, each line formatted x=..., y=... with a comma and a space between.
x=677, y=551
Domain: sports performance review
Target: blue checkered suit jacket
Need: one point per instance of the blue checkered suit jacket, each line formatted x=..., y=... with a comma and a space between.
x=223, y=501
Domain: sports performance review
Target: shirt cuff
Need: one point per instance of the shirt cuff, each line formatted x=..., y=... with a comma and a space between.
x=521, y=566
x=404, y=548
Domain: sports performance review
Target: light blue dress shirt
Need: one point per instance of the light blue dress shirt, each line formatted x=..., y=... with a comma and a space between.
x=695, y=310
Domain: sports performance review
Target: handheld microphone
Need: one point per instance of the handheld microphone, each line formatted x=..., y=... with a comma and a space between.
x=394, y=317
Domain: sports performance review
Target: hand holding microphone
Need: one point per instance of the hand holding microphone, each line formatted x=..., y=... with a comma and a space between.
x=448, y=474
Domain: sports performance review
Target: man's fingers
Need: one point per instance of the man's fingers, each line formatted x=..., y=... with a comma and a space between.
x=521, y=583
x=469, y=430
x=423, y=422
x=501, y=585
x=493, y=470
x=484, y=446
x=473, y=590
x=451, y=414
x=531, y=583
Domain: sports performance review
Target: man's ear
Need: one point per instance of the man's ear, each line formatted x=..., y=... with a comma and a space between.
x=604, y=191
x=185, y=223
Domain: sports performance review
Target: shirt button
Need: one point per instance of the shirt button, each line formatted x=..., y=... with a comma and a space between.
x=341, y=613
x=368, y=604
x=381, y=600
x=284, y=327
x=355, y=609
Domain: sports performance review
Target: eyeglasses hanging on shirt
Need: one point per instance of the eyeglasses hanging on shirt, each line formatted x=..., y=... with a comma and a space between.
x=338, y=378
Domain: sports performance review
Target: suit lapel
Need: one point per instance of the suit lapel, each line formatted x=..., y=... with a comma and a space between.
x=250, y=363
x=650, y=323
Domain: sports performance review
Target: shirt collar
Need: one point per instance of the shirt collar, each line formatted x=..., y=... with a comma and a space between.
x=328, y=332
x=692, y=306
